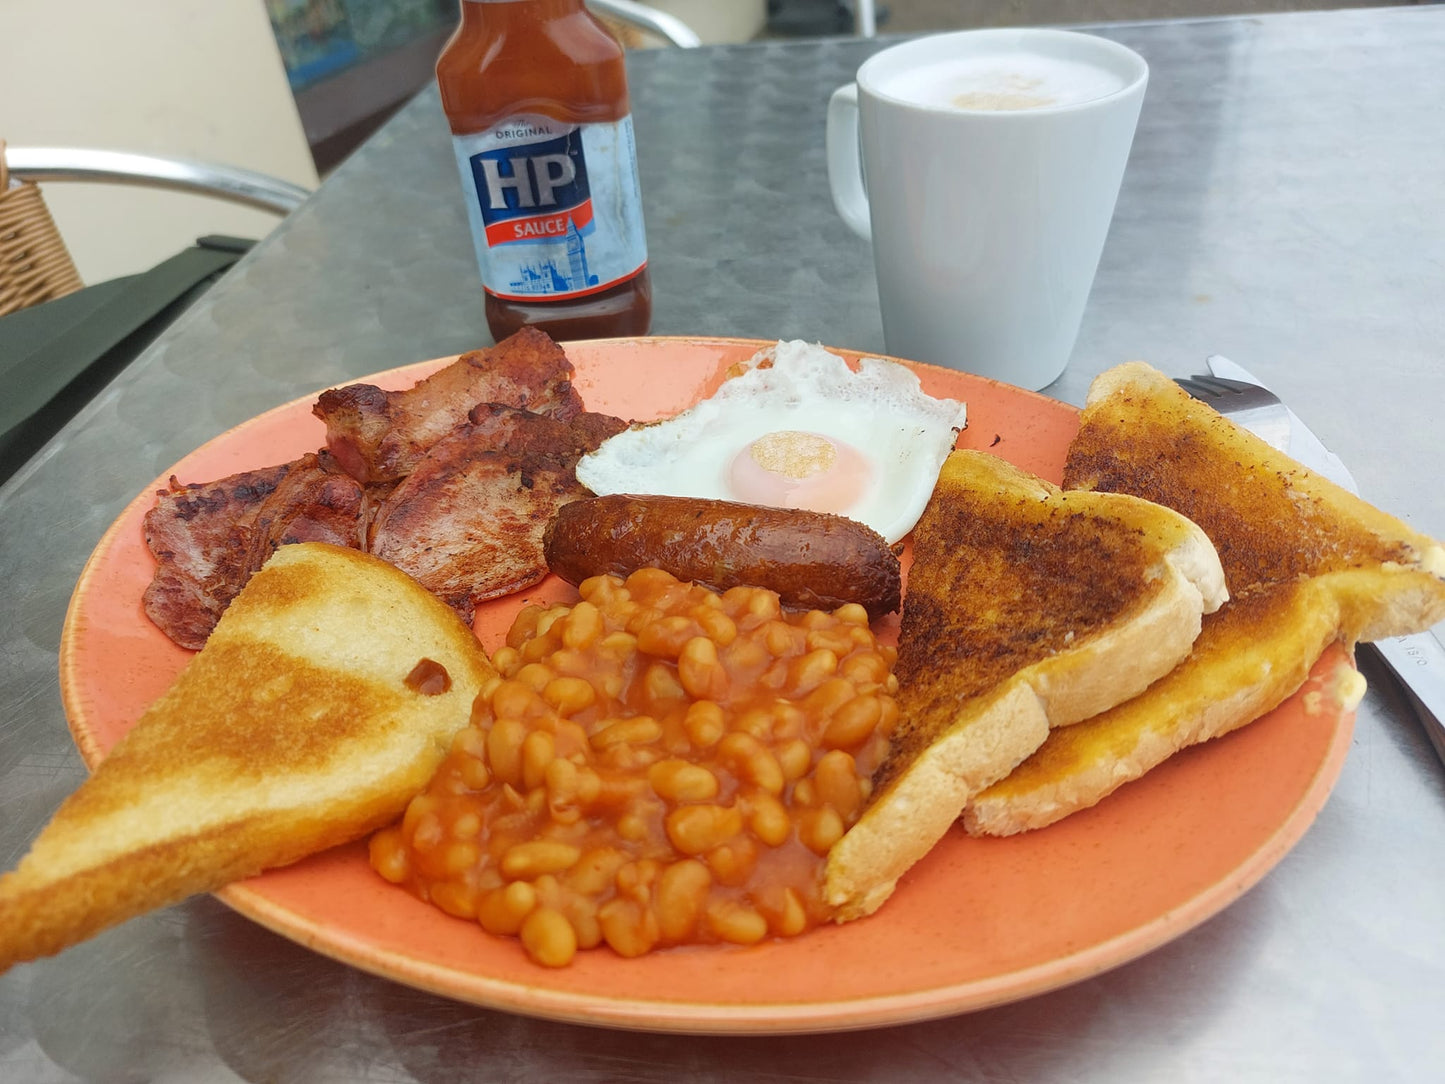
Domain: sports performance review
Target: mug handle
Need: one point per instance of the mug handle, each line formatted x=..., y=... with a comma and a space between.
x=845, y=170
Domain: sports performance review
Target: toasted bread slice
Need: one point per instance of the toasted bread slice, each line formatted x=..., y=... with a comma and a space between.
x=1307, y=564
x=1027, y=608
x=293, y=730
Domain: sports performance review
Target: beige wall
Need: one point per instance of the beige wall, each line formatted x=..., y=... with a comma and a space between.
x=719, y=20
x=188, y=78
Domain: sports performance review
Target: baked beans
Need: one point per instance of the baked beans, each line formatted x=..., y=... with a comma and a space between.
x=655, y=765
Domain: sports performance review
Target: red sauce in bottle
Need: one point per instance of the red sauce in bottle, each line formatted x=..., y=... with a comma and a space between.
x=535, y=92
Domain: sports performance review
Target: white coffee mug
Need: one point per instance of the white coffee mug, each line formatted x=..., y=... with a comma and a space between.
x=990, y=164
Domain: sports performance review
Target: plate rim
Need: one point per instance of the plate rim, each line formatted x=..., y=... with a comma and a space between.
x=856, y=1014
x=702, y=1017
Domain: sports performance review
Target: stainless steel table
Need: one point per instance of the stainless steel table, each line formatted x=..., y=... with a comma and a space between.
x=1283, y=207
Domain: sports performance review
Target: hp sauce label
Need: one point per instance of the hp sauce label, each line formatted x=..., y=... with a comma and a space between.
x=555, y=209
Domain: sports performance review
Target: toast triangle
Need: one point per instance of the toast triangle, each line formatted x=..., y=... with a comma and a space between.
x=1028, y=608
x=293, y=730
x=1307, y=562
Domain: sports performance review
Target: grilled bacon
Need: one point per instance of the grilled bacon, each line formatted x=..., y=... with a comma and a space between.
x=379, y=436
x=314, y=502
x=540, y=439
x=452, y=480
x=467, y=522
x=208, y=538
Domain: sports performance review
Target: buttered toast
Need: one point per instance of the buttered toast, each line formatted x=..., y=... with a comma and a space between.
x=308, y=719
x=1307, y=564
x=1027, y=608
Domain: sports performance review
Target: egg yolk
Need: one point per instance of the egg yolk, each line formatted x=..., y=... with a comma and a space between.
x=791, y=469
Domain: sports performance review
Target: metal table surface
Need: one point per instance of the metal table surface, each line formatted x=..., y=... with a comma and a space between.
x=1282, y=206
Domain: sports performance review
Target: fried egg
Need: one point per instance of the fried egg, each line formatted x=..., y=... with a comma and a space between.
x=798, y=429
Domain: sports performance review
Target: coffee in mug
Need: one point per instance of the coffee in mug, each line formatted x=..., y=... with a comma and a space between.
x=1008, y=81
x=993, y=159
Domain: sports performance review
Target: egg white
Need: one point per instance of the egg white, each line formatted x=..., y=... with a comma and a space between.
x=881, y=410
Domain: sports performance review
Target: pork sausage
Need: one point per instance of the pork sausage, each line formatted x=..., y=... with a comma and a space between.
x=812, y=560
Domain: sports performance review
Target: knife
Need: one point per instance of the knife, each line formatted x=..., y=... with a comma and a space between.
x=1418, y=660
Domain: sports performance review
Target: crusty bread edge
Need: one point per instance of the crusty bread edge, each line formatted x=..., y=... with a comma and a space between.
x=41, y=914
x=1354, y=604
x=1200, y=714
x=45, y=907
x=1121, y=662
x=993, y=736
x=997, y=734
x=1003, y=816
x=1123, y=375
x=918, y=808
x=1412, y=608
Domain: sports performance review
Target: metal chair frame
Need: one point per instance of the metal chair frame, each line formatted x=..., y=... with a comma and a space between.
x=244, y=186
x=668, y=27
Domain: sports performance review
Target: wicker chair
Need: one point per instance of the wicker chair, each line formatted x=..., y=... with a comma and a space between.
x=34, y=263
x=60, y=342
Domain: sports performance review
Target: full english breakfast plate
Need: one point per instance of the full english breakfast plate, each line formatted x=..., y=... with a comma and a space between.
x=979, y=922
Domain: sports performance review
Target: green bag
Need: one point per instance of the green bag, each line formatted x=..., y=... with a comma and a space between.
x=54, y=357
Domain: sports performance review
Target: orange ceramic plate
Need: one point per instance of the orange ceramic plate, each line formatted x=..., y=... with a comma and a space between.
x=977, y=923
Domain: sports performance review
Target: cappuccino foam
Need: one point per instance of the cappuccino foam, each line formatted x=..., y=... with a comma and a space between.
x=1004, y=81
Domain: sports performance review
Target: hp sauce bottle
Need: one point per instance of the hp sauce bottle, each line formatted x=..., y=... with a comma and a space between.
x=535, y=92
